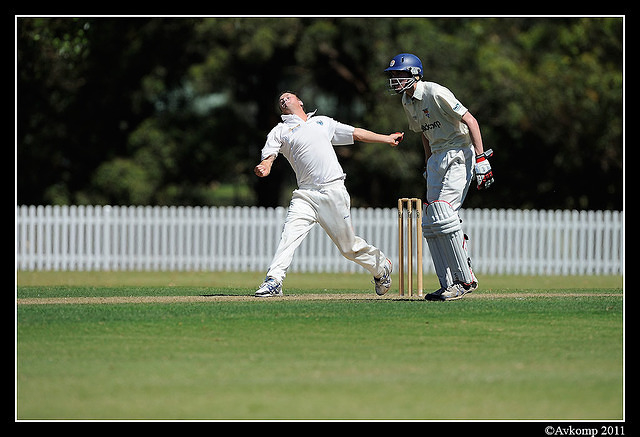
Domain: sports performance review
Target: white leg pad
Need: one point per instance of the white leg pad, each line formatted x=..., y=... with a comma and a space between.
x=443, y=232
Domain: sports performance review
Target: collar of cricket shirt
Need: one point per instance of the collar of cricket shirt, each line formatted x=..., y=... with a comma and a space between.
x=418, y=94
x=287, y=118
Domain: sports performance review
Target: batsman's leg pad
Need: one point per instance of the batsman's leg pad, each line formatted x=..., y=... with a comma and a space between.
x=443, y=232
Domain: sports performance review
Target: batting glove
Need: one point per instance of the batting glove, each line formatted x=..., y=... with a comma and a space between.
x=484, y=174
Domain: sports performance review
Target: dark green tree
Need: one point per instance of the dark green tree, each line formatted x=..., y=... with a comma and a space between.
x=176, y=110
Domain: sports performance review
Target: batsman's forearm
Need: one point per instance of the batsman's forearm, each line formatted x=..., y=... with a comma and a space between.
x=427, y=148
x=476, y=139
x=474, y=132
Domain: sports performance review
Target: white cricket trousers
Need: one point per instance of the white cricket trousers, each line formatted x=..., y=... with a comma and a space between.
x=329, y=206
x=449, y=175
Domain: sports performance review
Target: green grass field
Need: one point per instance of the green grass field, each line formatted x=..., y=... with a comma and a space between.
x=521, y=348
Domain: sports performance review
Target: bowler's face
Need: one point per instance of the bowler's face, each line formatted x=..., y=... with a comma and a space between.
x=288, y=102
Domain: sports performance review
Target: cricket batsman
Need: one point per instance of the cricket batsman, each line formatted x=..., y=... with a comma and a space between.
x=454, y=154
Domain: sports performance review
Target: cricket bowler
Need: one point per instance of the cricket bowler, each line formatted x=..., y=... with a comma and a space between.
x=307, y=141
x=454, y=153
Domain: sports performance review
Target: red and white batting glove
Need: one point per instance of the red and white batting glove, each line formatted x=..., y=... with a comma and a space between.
x=484, y=174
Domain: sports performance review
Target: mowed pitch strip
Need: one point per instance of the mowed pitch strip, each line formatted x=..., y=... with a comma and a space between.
x=213, y=298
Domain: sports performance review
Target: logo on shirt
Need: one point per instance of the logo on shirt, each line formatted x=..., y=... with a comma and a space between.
x=426, y=112
x=319, y=122
x=295, y=128
x=428, y=126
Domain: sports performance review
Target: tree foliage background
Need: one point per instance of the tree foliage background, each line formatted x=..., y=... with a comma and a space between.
x=174, y=111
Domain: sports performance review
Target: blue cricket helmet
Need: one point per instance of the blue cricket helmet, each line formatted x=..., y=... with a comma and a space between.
x=406, y=62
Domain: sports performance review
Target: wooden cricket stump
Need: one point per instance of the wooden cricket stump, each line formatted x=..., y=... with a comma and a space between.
x=407, y=207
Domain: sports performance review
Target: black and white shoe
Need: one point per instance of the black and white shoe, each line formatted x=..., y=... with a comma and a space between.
x=453, y=292
x=383, y=283
x=270, y=287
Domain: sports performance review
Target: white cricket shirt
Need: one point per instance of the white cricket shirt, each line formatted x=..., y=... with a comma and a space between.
x=308, y=146
x=435, y=111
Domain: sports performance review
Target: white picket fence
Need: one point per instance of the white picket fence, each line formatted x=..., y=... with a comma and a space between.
x=91, y=238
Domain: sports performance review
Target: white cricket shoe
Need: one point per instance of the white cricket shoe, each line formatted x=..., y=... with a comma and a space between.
x=453, y=292
x=270, y=287
x=383, y=283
